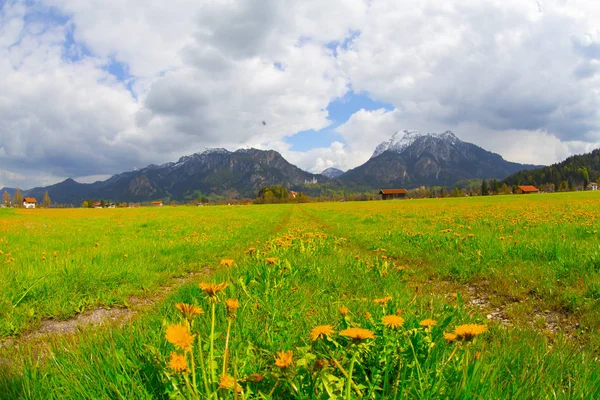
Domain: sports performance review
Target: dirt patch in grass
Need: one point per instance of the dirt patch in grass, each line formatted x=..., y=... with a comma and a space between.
x=103, y=316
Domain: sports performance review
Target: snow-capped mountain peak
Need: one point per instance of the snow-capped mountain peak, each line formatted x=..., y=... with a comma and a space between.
x=401, y=140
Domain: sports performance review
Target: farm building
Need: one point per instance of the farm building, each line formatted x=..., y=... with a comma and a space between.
x=390, y=194
x=157, y=203
x=592, y=186
x=29, y=202
x=527, y=189
x=293, y=194
x=97, y=205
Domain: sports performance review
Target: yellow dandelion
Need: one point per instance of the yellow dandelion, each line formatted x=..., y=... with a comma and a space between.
x=189, y=311
x=271, y=260
x=451, y=337
x=344, y=311
x=393, y=321
x=469, y=331
x=368, y=315
x=283, y=359
x=226, y=263
x=212, y=289
x=357, y=334
x=180, y=337
x=232, y=306
x=251, y=250
x=428, y=323
x=383, y=301
x=228, y=383
x=178, y=363
x=321, y=331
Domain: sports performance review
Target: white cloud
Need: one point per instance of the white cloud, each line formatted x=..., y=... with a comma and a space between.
x=517, y=77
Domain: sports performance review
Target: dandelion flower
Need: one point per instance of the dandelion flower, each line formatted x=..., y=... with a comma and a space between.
x=368, y=315
x=180, y=336
x=357, y=334
x=226, y=262
x=251, y=250
x=212, y=289
x=344, y=311
x=232, y=306
x=321, y=331
x=228, y=383
x=178, y=363
x=283, y=359
x=451, y=337
x=428, y=323
x=469, y=331
x=189, y=311
x=271, y=260
x=393, y=321
x=383, y=301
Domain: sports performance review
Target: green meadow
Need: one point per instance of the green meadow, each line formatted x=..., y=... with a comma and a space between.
x=490, y=297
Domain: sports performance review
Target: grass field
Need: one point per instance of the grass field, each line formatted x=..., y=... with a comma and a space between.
x=495, y=297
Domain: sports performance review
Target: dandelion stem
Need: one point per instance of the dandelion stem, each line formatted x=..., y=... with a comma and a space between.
x=203, y=368
x=344, y=372
x=212, y=345
x=225, y=356
x=350, y=370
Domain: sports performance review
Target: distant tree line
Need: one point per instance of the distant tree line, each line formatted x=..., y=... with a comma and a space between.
x=576, y=172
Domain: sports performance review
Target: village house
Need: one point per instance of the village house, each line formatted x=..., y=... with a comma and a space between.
x=592, y=186
x=97, y=205
x=293, y=194
x=157, y=204
x=29, y=202
x=390, y=194
x=527, y=189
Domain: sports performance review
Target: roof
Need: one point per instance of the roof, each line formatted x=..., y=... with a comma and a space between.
x=29, y=200
x=528, y=188
x=157, y=202
x=393, y=191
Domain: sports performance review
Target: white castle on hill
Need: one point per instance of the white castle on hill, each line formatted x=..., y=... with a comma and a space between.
x=311, y=181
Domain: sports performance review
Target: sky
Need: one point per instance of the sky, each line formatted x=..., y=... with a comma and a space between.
x=90, y=88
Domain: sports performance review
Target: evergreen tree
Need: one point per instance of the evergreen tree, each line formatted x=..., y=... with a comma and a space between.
x=6, y=197
x=46, y=201
x=18, y=197
x=485, y=190
x=456, y=192
x=495, y=186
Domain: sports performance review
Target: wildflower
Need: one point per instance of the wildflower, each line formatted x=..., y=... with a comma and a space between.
x=428, y=323
x=383, y=301
x=96, y=244
x=451, y=337
x=368, y=315
x=212, y=289
x=251, y=250
x=189, y=311
x=469, y=331
x=393, y=321
x=283, y=359
x=344, y=311
x=232, y=306
x=357, y=334
x=180, y=336
x=124, y=256
x=321, y=331
x=228, y=383
x=271, y=260
x=255, y=378
x=178, y=363
x=226, y=263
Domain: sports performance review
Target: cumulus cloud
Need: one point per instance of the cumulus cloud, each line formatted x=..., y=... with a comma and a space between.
x=517, y=77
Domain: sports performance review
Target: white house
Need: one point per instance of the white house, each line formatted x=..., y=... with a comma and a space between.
x=592, y=186
x=29, y=202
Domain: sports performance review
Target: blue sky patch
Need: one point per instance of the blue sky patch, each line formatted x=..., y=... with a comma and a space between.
x=340, y=110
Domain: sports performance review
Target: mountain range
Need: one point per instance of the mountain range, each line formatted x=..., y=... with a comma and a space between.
x=408, y=159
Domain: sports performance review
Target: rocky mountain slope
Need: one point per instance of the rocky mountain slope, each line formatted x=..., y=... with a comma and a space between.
x=412, y=158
